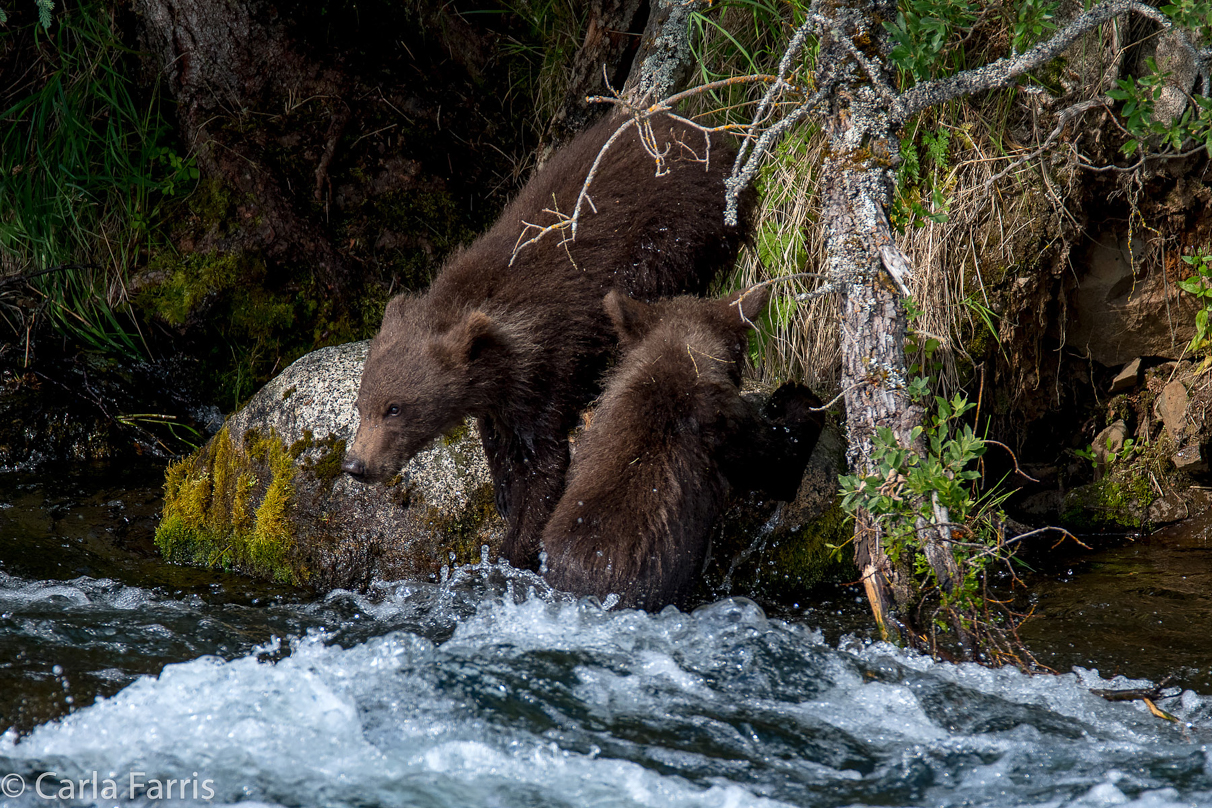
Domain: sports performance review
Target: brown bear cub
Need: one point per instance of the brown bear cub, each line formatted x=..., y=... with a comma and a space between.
x=651, y=470
x=522, y=347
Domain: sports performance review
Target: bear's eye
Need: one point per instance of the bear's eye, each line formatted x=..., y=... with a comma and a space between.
x=394, y=409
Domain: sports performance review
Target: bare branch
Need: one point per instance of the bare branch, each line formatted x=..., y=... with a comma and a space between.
x=1065, y=116
x=839, y=396
x=1003, y=72
x=780, y=82
x=665, y=104
x=1150, y=156
x=897, y=265
x=743, y=171
x=641, y=119
x=570, y=222
x=824, y=290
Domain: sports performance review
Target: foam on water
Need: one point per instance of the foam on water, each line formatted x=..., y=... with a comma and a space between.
x=491, y=690
x=17, y=593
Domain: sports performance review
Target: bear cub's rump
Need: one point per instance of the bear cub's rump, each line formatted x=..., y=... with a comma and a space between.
x=651, y=470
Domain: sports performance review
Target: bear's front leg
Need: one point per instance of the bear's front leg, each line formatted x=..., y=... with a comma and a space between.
x=499, y=464
x=528, y=479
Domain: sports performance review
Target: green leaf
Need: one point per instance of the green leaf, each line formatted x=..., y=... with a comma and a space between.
x=1192, y=286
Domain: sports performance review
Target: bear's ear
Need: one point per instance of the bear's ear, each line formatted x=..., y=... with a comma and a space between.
x=748, y=304
x=631, y=318
x=472, y=338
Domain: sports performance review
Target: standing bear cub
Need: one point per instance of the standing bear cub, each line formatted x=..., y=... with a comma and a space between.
x=651, y=470
x=522, y=345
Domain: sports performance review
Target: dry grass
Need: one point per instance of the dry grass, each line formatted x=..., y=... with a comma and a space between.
x=798, y=339
x=1006, y=209
x=994, y=223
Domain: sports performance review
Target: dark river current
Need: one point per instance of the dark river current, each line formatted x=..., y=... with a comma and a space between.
x=124, y=680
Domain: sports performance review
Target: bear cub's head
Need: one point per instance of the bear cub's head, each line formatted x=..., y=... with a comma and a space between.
x=711, y=332
x=422, y=377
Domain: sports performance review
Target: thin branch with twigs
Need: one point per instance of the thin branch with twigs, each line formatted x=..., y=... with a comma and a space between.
x=640, y=118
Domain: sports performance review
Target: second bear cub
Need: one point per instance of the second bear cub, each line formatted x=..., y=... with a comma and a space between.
x=646, y=483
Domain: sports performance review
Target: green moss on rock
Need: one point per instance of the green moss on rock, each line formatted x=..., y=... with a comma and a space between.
x=808, y=555
x=1121, y=499
x=788, y=563
x=231, y=508
x=462, y=532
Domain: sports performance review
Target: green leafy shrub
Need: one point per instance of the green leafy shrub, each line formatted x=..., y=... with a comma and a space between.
x=1199, y=286
x=906, y=490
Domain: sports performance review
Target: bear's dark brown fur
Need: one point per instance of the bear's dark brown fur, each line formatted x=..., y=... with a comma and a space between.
x=769, y=453
x=652, y=468
x=522, y=347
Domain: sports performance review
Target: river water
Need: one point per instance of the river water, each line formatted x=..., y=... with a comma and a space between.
x=488, y=689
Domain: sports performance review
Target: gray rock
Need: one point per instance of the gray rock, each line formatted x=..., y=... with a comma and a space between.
x=1044, y=505
x=1109, y=442
x=1175, y=60
x=1191, y=459
x=1122, y=313
x=266, y=496
x=1127, y=378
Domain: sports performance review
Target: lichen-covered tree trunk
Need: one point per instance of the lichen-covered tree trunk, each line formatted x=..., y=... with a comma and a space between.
x=858, y=186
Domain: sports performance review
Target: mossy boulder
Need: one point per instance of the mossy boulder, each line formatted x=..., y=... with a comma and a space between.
x=266, y=495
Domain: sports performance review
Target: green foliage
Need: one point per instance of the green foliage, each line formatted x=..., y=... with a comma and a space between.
x=924, y=172
x=1033, y=23
x=1194, y=15
x=742, y=37
x=1199, y=286
x=1126, y=452
x=901, y=486
x=1139, y=95
x=87, y=175
x=901, y=491
x=922, y=31
x=929, y=36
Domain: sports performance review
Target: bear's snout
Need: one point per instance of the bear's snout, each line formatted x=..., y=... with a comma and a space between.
x=354, y=467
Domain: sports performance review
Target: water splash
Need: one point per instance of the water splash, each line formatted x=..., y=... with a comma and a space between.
x=490, y=688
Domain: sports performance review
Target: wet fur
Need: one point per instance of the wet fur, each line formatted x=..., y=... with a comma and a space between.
x=522, y=347
x=651, y=469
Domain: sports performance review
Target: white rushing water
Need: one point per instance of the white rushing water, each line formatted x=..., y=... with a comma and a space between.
x=488, y=690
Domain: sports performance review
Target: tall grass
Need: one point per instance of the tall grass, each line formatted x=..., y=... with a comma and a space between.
x=85, y=173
